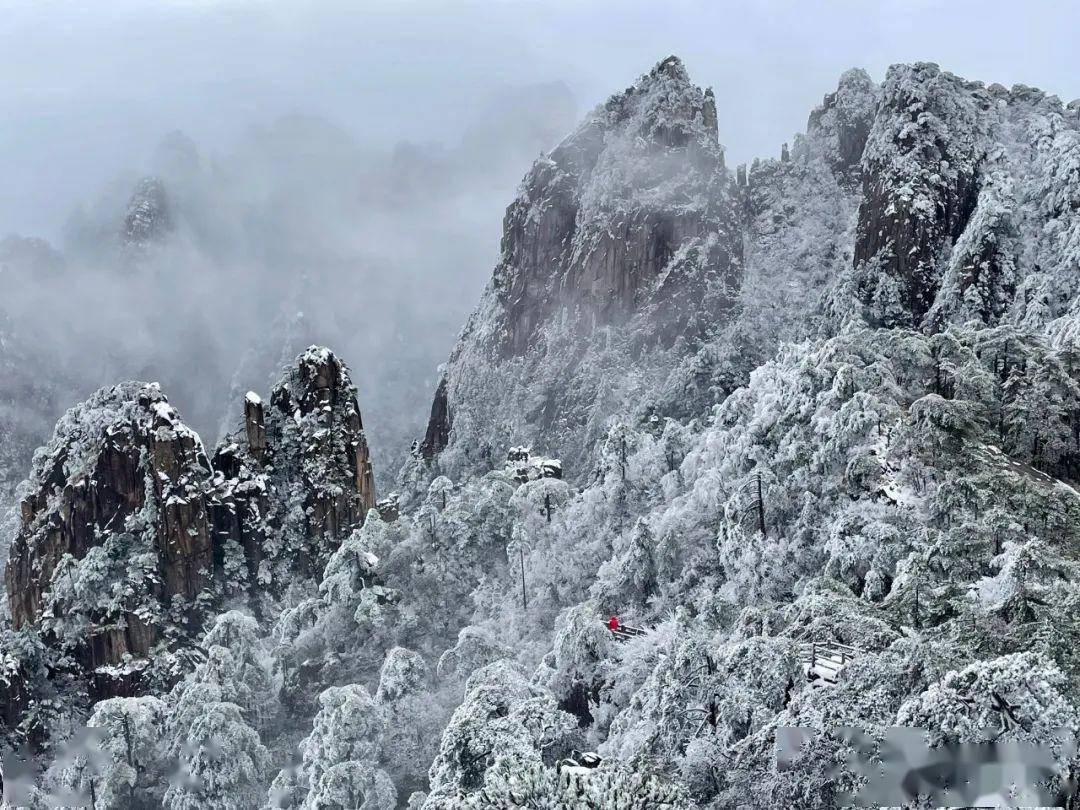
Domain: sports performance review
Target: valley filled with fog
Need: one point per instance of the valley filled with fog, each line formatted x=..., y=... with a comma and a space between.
x=483, y=406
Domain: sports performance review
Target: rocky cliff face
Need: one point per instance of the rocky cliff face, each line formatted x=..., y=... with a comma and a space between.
x=298, y=471
x=965, y=210
x=923, y=201
x=600, y=221
x=841, y=125
x=148, y=218
x=632, y=246
x=116, y=542
x=129, y=533
x=919, y=189
x=624, y=241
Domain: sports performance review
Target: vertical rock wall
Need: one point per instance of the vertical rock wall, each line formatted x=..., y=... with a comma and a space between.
x=124, y=535
x=116, y=531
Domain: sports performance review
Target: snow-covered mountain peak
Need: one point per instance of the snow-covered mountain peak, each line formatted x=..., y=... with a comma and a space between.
x=842, y=122
x=714, y=456
x=148, y=218
x=129, y=533
x=627, y=231
x=665, y=108
x=115, y=548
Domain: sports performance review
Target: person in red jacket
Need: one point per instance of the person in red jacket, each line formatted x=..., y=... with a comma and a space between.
x=613, y=624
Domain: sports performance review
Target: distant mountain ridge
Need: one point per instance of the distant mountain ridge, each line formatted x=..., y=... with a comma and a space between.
x=922, y=201
x=828, y=398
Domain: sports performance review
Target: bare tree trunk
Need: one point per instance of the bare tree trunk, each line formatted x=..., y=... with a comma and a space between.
x=524, y=598
x=760, y=506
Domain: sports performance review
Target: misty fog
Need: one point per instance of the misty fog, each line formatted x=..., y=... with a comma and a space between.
x=337, y=174
x=725, y=448
x=296, y=235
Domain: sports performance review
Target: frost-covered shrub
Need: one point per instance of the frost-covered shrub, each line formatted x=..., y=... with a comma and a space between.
x=502, y=715
x=339, y=757
x=1020, y=696
x=223, y=763
x=578, y=667
x=614, y=784
x=413, y=719
x=131, y=732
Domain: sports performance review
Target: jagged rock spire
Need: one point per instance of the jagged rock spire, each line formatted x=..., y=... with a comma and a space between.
x=130, y=533
x=844, y=119
x=299, y=469
x=148, y=218
x=631, y=219
x=315, y=407
x=599, y=220
x=920, y=186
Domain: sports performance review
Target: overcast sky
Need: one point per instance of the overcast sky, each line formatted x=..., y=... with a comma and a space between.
x=89, y=88
x=349, y=162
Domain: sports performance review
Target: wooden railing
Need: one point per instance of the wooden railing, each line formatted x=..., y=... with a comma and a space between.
x=824, y=659
x=625, y=632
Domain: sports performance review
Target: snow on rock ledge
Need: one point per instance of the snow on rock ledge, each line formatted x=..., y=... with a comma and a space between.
x=130, y=534
x=115, y=539
x=299, y=470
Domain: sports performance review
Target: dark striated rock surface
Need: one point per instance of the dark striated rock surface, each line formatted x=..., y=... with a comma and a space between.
x=842, y=123
x=115, y=542
x=968, y=205
x=600, y=220
x=318, y=439
x=298, y=473
x=920, y=186
x=129, y=534
x=438, y=428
